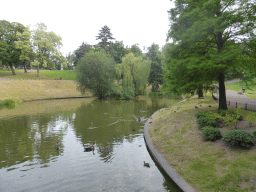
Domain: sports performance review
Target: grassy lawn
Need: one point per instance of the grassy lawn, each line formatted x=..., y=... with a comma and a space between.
x=5, y=71
x=45, y=74
x=238, y=86
x=206, y=165
x=35, y=89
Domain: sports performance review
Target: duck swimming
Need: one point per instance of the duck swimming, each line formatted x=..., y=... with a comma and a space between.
x=57, y=147
x=146, y=164
x=91, y=148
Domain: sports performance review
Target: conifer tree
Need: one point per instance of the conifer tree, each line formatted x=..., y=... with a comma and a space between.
x=105, y=37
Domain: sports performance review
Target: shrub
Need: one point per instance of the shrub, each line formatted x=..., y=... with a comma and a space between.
x=206, y=121
x=9, y=102
x=238, y=138
x=254, y=133
x=211, y=133
x=200, y=114
x=223, y=112
x=1, y=103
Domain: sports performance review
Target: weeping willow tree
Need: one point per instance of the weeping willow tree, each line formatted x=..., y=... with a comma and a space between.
x=132, y=74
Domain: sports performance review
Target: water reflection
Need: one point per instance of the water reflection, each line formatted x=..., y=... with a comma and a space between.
x=27, y=147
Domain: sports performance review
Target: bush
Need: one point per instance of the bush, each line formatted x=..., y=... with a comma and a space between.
x=9, y=102
x=223, y=112
x=206, y=121
x=211, y=133
x=254, y=133
x=200, y=114
x=238, y=138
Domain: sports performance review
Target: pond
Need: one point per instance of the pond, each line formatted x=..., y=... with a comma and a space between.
x=30, y=162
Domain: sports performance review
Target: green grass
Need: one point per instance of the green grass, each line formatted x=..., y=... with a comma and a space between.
x=46, y=75
x=250, y=88
x=206, y=165
x=5, y=71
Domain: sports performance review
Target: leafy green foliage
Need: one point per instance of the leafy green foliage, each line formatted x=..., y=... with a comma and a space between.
x=133, y=73
x=203, y=48
x=200, y=114
x=9, y=34
x=224, y=113
x=156, y=71
x=80, y=52
x=254, y=133
x=238, y=138
x=9, y=102
x=95, y=71
x=211, y=133
x=206, y=121
x=105, y=37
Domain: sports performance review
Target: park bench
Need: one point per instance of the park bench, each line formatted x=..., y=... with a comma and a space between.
x=242, y=91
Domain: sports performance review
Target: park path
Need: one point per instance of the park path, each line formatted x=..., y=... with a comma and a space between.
x=237, y=99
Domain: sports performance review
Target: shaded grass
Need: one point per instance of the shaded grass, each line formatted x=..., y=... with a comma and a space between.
x=46, y=75
x=206, y=165
x=237, y=86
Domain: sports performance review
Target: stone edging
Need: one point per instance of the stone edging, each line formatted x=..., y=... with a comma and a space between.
x=159, y=158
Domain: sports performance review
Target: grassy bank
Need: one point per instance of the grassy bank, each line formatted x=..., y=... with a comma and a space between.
x=238, y=86
x=45, y=75
x=36, y=89
x=206, y=165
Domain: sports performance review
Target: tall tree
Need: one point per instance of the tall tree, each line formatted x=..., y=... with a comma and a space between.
x=211, y=29
x=135, y=49
x=46, y=44
x=96, y=72
x=25, y=46
x=133, y=72
x=9, y=53
x=105, y=38
x=81, y=51
x=120, y=51
x=156, y=76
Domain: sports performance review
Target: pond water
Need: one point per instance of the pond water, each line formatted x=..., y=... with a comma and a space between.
x=30, y=162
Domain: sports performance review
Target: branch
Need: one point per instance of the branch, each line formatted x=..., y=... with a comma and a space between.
x=227, y=5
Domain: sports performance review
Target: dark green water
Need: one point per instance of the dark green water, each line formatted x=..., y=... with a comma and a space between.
x=30, y=162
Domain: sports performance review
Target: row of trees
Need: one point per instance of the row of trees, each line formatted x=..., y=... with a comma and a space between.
x=211, y=39
x=110, y=69
x=21, y=46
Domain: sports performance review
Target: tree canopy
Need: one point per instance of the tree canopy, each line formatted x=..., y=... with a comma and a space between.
x=96, y=72
x=206, y=36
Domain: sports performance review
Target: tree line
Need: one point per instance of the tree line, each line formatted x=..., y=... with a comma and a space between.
x=21, y=46
x=109, y=69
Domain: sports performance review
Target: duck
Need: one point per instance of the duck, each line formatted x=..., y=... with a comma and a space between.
x=146, y=164
x=133, y=129
x=57, y=147
x=91, y=148
x=139, y=119
x=196, y=107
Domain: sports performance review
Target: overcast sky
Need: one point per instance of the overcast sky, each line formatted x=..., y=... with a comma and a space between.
x=140, y=22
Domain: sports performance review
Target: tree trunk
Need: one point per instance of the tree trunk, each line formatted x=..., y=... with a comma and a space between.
x=200, y=91
x=13, y=71
x=38, y=71
x=222, y=92
x=25, y=69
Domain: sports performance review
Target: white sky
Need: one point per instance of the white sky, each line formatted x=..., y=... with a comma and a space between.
x=135, y=21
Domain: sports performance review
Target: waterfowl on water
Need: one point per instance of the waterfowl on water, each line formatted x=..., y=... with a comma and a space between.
x=57, y=147
x=91, y=148
x=146, y=164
